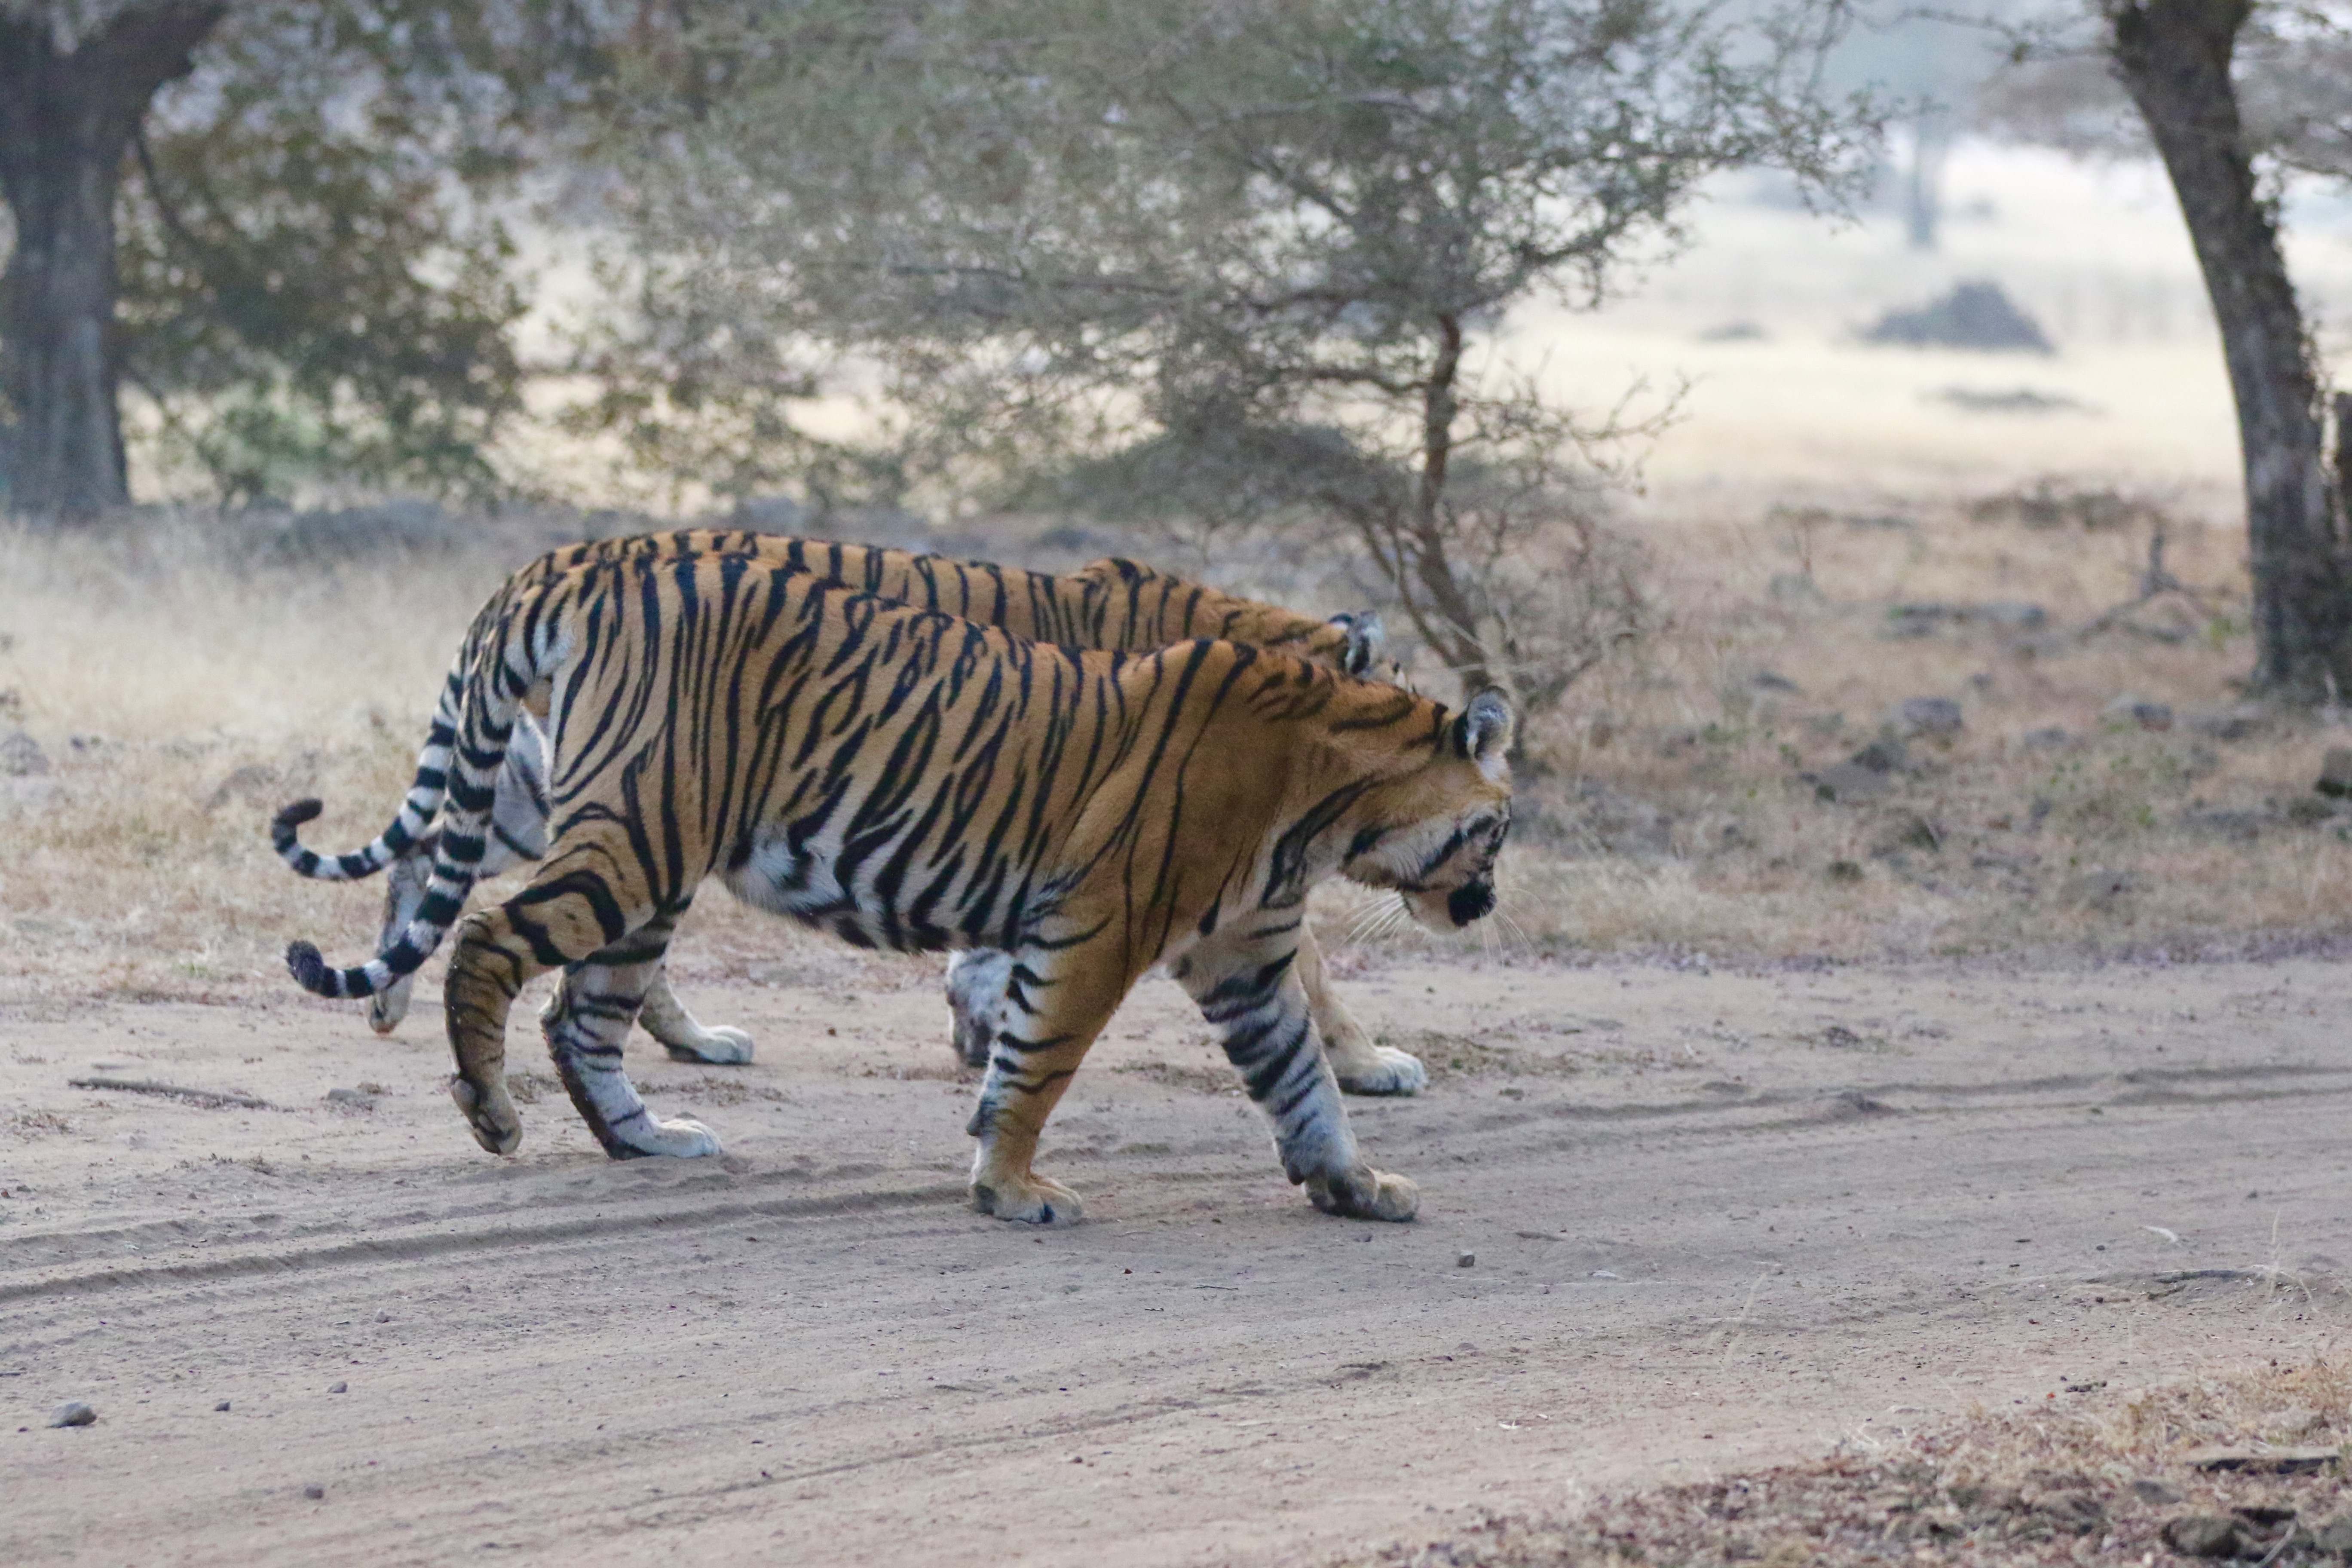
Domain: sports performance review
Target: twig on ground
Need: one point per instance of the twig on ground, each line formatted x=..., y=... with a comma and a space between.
x=211, y=1099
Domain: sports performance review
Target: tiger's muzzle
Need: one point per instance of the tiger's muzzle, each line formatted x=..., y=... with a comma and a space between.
x=1470, y=901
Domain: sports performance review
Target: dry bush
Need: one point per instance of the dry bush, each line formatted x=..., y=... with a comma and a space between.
x=1673, y=805
x=2019, y=1488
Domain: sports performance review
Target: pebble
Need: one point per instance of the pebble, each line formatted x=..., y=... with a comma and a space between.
x=2238, y=721
x=2132, y=709
x=315, y=1494
x=1849, y=782
x=2203, y=1535
x=2335, y=773
x=21, y=755
x=1936, y=717
x=2011, y=616
x=221, y=1406
x=1467, y=1260
x=339, y=1388
x=72, y=1413
x=2101, y=888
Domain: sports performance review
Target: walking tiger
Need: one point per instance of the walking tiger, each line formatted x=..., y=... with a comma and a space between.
x=913, y=781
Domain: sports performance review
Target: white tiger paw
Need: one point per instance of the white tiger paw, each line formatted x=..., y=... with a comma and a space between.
x=1379, y=1070
x=683, y=1139
x=1365, y=1194
x=715, y=1046
x=388, y=1006
x=1033, y=1200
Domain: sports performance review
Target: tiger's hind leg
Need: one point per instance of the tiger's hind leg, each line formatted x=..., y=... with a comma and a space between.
x=403, y=890
x=569, y=917
x=1362, y=1067
x=687, y=1039
x=587, y=1020
x=1249, y=987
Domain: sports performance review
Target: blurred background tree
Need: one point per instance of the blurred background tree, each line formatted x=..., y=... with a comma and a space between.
x=1252, y=256
x=2233, y=96
x=279, y=223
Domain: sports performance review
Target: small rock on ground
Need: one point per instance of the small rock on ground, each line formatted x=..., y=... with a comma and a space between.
x=315, y=1494
x=2203, y=1535
x=2011, y=616
x=2098, y=889
x=1467, y=1260
x=2132, y=709
x=21, y=755
x=1849, y=782
x=2335, y=773
x=339, y=1388
x=1887, y=754
x=2235, y=723
x=72, y=1413
x=1937, y=717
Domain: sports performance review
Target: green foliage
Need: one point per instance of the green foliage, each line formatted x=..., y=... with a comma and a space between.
x=316, y=287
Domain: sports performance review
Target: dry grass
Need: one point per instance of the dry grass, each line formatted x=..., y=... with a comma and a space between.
x=2098, y=1482
x=1670, y=808
x=180, y=697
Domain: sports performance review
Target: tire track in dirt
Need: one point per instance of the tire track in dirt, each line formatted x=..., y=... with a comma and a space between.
x=816, y=1351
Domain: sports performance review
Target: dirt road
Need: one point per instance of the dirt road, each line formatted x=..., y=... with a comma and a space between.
x=1716, y=1219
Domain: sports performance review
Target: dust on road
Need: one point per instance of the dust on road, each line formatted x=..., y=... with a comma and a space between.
x=1716, y=1219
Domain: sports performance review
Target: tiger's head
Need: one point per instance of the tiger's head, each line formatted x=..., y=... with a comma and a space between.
x=1432, y=834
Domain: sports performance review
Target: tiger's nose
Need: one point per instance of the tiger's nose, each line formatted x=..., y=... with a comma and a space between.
x=1470, y=901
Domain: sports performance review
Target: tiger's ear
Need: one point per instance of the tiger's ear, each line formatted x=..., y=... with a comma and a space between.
x=1484, y=733
x=1360, y=647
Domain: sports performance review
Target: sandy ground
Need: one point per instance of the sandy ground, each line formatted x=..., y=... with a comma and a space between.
x=1718, y=1219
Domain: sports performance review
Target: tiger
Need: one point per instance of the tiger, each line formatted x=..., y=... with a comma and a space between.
x=912, y=781
x=1110, y=604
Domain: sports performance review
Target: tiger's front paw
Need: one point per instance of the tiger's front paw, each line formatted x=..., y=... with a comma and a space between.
x=718, y=1046
x=1033, y=1199
x=1379, y=1070
x=492, y=1116
x=1365, y=1194
x=641, y=1136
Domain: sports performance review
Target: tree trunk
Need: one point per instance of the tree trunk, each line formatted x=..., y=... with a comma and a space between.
x=2173, y=57
x=66, y=119
x=1452, y=622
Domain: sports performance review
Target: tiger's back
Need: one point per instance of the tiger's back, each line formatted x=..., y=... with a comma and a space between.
x=1110, y=604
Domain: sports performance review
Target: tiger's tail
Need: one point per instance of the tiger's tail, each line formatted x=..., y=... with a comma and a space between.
x=491, y=678
x=427, y=791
